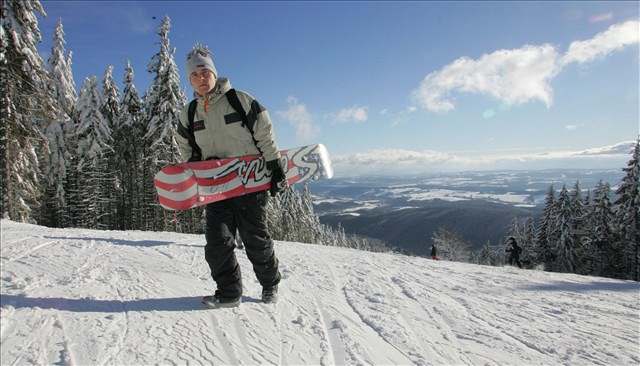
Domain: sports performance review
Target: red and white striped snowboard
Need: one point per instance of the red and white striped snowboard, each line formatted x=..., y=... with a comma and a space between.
x=187, y=185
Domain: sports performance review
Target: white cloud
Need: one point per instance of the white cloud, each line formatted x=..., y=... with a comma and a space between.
x=571, y=127
x=601, y=17
x=401, y=161
x=401, y=116
x=520, y=75
x=354, y=114
x=613, y=39
x=298, y=116
x=513, y=76
x=393, y=157
x=384, y=111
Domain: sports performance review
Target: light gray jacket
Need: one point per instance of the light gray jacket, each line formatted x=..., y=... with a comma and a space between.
x=219, y=131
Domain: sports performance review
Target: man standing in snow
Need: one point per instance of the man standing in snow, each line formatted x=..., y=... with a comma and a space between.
x=220, y=123
x=514, y=251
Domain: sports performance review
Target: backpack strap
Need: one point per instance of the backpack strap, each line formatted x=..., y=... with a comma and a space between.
x=196, y=152
x=247, y=121
x=192, y=112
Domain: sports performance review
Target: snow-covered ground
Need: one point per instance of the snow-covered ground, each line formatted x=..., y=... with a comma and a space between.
x=362, y=205
x=83, y=297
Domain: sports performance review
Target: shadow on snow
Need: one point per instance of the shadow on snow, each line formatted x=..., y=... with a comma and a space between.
x=133, y=243
x=187, y=303
x=585, y=287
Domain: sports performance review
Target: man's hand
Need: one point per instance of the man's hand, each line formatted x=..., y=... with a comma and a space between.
x=278, y=178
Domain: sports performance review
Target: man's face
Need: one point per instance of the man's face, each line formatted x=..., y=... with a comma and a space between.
x=202, y=81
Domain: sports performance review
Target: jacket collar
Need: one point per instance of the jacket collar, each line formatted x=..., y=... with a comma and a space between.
x=222, y=86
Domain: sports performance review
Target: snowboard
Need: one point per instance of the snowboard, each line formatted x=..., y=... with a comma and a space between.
x=188, y=185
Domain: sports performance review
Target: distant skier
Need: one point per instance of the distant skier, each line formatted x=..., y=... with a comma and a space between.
x=514, y=251
x=434, y=252
x=211, y=126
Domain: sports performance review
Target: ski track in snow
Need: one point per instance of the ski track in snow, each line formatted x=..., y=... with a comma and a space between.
x=85, y=297
x=28, y=252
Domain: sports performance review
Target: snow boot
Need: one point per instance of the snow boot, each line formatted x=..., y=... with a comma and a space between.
x=270, y=294
x=215, y=302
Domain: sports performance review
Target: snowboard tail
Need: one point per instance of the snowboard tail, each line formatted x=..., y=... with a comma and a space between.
x=188, y=185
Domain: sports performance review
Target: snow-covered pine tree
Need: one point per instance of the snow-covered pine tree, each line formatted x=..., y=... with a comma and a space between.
x=496, y=255
x=129, y=151
x=627, y=215
x=291, y=217
x=110, y=107
x=283, y=216
x=587, y=207
x=588, y=251
x=523, y=231
x=275, y=213
x=311, y=222
x=516, y=230
x=54, y=205
x=73, y=183
x=337, y=237
x=484, y=254
x=563, y=234
x=112, y=189
x=62, y=87
x=94, y=143
x=62, y=83
x=586, y=201
x=163, y=103
x=544, y=252
x=25, y=108
x=72, y=187
x=528, y=255
x=577, y=203
x=580, y=230
x=491, y=255
x=602, y=241
x=451, y=246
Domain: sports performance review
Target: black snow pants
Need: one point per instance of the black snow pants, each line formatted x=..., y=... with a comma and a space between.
x=248, y=215
x=515, y=259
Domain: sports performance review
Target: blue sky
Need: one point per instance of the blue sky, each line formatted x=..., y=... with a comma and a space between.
x=426, y=82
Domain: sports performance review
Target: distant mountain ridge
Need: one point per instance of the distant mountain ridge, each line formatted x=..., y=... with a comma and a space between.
x=622, y=148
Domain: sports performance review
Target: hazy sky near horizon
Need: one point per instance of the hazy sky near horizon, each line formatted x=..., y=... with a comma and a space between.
x=406, y=78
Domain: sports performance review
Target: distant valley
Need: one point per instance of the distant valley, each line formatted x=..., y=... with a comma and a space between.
x=405, y=211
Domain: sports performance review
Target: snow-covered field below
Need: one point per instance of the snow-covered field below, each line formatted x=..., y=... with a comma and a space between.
x=417, y=194
x=85, y=297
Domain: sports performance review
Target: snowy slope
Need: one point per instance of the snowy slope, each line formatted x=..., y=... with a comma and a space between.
x=84, y=297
